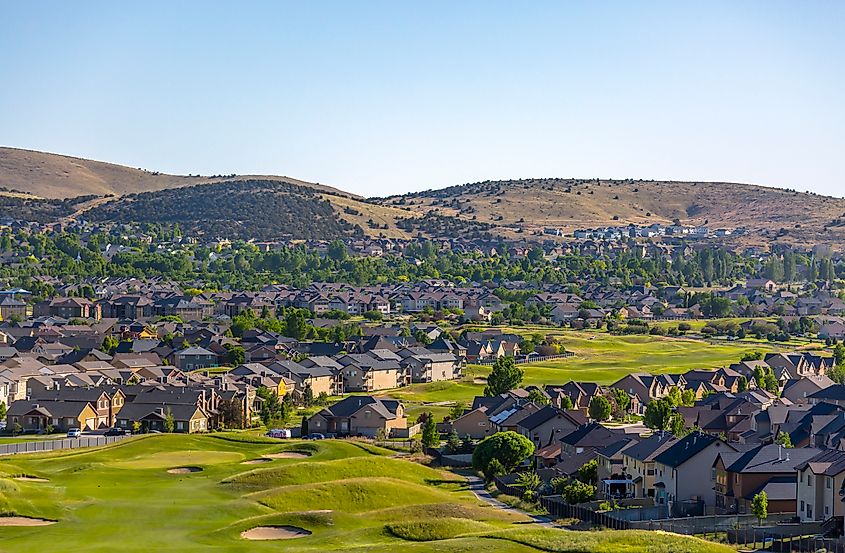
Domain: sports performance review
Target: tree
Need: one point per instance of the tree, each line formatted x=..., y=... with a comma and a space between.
x=678, y=425
x=109, y=344
x=839, y=354
x=235, y=354
x=760, y=506
x=674, y=396
x=529, y=482
x=169, y=422
x=742, y=385
x=457, y=410
x=588, y=472
x=538, y=397
x=231, y=413
x=622, y=400
x=504, y=377
x=303, y=426
x=566, y=402
x=429, y=432
x=2, y=410
x=688, y=397
x=308, y=395
x=658, y=414
x=578, y=492
x=454, y=442
x=336, y=250
x=508, y=448
x=784, y=440
x=600, y=408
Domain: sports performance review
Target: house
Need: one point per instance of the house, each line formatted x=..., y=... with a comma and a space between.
x=821, y=480
x=549, y=424
x=193, y=358
x=685, y=471
x=360, y=416
x=187, y=418
x=638, y=462
x=364, y=373
x=106, y=404
x=610, y=469
x=321, y=379
x=798, y=390
x=740, y=475
x=61, y=415
x=832, y=394
x=425, y=365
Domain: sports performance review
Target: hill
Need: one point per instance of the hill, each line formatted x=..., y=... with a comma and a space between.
x=511, y=208
x=58, y=176
x=528, y=206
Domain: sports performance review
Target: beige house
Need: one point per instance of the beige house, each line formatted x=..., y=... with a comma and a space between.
x=819, y=483
x=360, y=415
x=363, y=373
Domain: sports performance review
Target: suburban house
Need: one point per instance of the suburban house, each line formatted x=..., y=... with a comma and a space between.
x=364, y=373
x=685, y=471
x=549, y=424
x=821, y=481
x=360, y=415
x=61, y=415
x=187, y=418
x=427, y=366
x=638, y=462
x=193, y=358
x=740, y=475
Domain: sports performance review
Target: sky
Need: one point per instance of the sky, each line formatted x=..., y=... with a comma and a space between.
x=379, y=98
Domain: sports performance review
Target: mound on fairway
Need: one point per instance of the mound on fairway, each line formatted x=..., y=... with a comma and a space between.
x=275, y=533
x=25, y=521
x=178, y=458
x=288, y=455
x=352, y=495
x=436, y=529
x=340, y=469
x=184, y=470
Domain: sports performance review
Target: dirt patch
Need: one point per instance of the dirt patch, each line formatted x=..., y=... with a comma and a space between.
x=479, y=380
x=30, y=479
x=256, y=461
x=25, y=521
x=184, y=470
x=288, y=455
x=275, y=533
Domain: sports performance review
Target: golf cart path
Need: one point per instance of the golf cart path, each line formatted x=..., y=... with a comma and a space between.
x=476, y=486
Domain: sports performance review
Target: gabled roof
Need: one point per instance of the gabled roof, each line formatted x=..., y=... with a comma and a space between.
x=646, y=450
x=687, y=448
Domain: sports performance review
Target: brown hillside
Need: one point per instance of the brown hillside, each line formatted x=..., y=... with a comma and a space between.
x=57, y=176
x=570, y=204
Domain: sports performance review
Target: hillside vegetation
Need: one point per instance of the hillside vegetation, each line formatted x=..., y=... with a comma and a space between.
x=512, y=208
x=346, y=496
x=259, y=209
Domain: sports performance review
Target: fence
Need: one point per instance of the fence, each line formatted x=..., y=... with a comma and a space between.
x=64, y=443
x=530, y=359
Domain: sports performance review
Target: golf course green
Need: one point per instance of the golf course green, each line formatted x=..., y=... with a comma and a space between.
x=243, y=492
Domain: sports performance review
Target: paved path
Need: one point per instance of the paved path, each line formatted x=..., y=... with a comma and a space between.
x=476, y=486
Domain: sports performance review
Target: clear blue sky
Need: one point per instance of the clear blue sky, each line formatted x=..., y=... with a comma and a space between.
x=384, y=97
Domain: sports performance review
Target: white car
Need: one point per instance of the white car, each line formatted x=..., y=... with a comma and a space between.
x=74, y=433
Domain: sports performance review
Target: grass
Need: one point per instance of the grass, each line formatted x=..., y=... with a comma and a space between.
x=600, y=357
x=351, y=497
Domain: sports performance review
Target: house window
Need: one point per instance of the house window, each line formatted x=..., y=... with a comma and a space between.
x=828, y=482
x=736, y=478
x=802, y=505
x=826, y=510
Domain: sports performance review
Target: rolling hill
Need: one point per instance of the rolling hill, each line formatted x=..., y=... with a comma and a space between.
x=513, y=208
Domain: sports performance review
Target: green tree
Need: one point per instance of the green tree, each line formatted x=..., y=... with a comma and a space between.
x=457, y=410
x=674, y=396
x=760, y=506
x=600, y=408
x=429, y=432
x=622, y=400
x=505, y=376
x=454, y=442
x=688, y=397
x=538, y=397
x=784, y=440
x=508, y=448
x=2, y=411
x=578, y=492
x=110, y=344
x=169, y=422
x=529, y=482
x=588, y=472
x=839, y=354
x=658, y=414
x=742, y=385
x=235, y=354
x=566, y=402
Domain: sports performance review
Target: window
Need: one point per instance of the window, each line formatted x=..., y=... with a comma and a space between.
x=802, y=506
x=826, y=510
x=736, y=478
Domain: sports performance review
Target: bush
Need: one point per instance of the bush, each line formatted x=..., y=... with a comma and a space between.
x=508, y=449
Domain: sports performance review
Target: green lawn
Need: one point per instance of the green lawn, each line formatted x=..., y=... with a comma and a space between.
x=350, y=497
x=599, y=357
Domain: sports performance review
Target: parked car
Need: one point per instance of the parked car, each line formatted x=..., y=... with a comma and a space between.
x=279, y=433
x=315, y=436
x=74, y=433
x=115, y=432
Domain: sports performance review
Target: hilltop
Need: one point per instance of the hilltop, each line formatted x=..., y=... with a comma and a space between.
x=52, y=185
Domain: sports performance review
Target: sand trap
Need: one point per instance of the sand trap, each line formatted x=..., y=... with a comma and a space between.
x=184, y=470
x=256, y=461
x=288, y=455
x=30, y=479
x=479, y=380
x=275, y=533
x=25, y=521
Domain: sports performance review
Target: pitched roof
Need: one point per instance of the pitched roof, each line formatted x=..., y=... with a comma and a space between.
x=687, y=448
